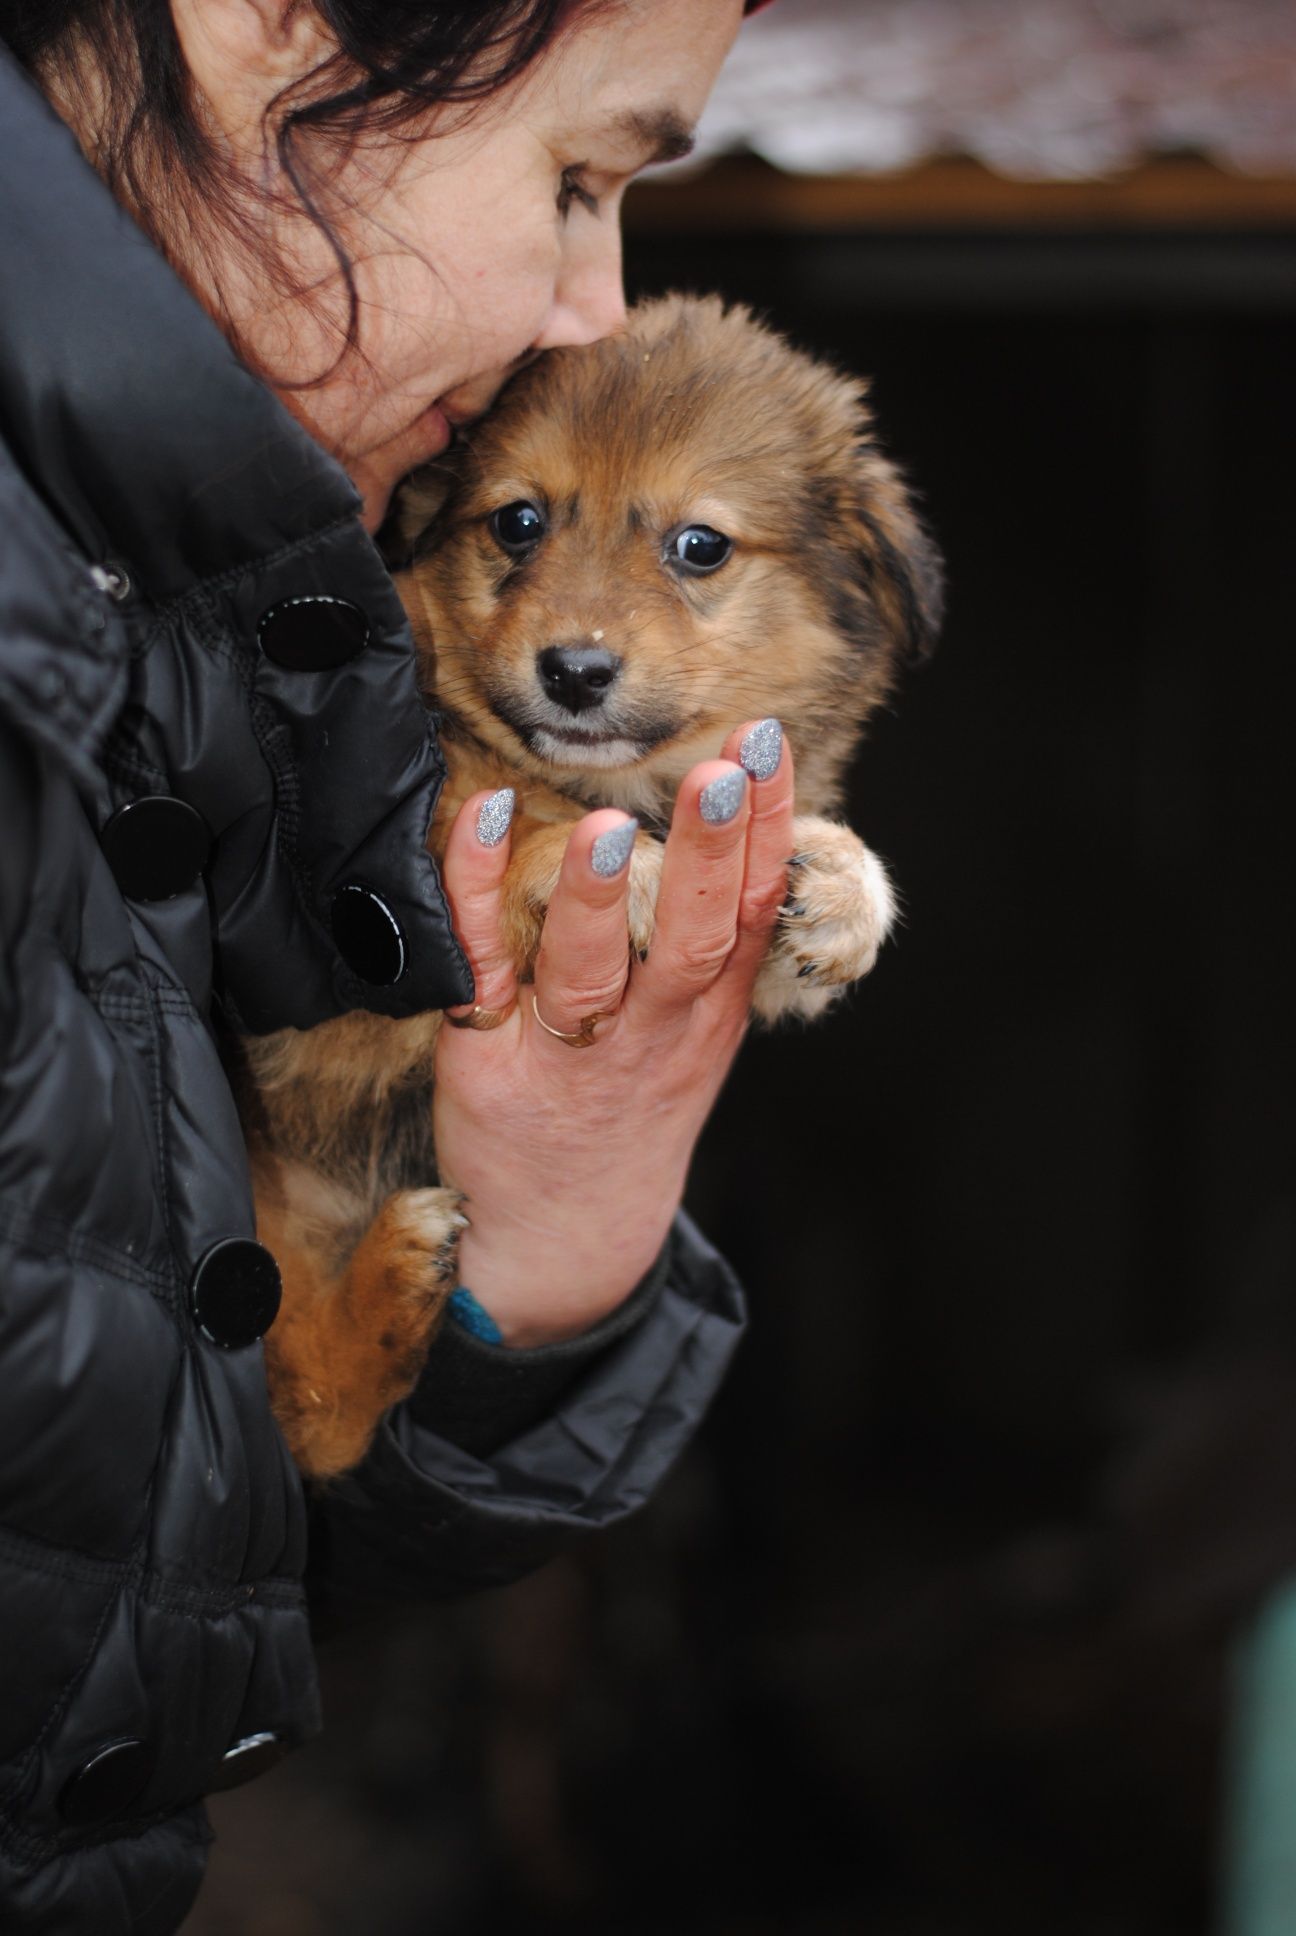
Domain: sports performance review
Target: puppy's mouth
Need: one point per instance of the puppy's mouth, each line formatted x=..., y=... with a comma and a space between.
x=600, y=740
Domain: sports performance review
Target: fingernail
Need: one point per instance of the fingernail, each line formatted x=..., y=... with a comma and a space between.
x=762, y=749
x=613, y=849
x=720, y=800
x=494, y=816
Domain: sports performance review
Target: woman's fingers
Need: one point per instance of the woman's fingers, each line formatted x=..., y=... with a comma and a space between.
x=472, y=871
x=764, y=753
x=585, y=949
x=724, y=873
x=723, y=880
x=696, y=925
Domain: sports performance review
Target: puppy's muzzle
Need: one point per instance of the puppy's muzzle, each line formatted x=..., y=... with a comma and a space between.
x=577, y=677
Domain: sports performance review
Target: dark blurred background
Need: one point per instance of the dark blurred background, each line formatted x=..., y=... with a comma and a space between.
x=937, y=1630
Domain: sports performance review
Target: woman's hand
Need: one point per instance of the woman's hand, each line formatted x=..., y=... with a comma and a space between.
x=573, y=1160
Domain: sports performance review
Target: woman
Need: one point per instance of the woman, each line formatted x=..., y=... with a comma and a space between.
x=215, y=782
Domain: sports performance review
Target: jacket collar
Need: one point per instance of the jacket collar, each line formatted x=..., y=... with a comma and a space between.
x=121, y=401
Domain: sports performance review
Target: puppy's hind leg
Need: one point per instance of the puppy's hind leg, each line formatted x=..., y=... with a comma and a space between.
x=343, y=1352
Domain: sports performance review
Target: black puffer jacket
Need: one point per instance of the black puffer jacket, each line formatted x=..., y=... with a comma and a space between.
x=193, y=765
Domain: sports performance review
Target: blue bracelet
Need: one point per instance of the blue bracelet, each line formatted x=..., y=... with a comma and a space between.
x=470, y=1316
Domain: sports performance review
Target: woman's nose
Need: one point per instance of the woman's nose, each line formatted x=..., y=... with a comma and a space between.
x=589, y=299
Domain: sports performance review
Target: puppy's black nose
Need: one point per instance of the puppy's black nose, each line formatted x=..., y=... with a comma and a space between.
x=576, y=677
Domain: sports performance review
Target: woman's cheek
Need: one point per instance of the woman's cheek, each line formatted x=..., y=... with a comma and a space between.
x=519, y=290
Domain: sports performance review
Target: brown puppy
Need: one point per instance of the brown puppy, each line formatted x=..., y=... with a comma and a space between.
x=647, y=542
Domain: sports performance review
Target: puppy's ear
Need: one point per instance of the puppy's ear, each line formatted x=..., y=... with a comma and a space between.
x=900, y=567
x=420, y=501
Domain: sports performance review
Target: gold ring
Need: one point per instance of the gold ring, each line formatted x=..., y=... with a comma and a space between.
x=482, y=1018
x=581, y=1038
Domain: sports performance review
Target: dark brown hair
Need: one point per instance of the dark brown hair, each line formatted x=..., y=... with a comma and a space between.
x=396, y=61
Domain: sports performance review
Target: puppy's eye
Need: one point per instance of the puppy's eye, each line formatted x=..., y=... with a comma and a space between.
x=517, y=528
x=698, y=549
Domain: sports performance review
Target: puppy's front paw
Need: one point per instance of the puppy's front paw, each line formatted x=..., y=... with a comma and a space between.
x=533, y=876
x=528, y=888
x=645, y=879
x=839, y=910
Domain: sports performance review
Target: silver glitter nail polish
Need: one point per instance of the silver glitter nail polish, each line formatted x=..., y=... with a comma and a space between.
x=612, y=850
x=762, y=748
x=720, y=800
x=494, y=816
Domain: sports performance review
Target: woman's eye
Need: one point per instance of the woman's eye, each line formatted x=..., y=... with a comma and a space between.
x=572, y=189
x=698, y=548
x=517, y=528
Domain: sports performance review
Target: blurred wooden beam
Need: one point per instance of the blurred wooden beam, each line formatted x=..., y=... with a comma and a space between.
x=741, y=193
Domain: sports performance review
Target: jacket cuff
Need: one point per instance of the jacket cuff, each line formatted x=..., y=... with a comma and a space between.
x=479, y=1395
x=424, y=1514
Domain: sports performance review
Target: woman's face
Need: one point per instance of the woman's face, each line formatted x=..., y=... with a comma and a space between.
x=492, y=237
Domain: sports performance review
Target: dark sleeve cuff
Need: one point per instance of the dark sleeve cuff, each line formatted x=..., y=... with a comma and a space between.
x=479, y=1395
x=425, y=1515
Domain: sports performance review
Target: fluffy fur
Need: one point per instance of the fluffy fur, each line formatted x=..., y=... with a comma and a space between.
x=695, y=416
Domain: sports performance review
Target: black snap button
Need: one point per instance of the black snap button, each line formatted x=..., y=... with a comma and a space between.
x=234, y=1292
x=108, y=1783
x=156, y=847
x=254, y=1755
x=368, y=935
x=313, y=634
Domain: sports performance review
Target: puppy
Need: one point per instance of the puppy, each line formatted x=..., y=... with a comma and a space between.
x=647, y=542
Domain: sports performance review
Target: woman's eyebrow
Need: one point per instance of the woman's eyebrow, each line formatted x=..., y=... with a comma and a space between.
x=660, y=134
